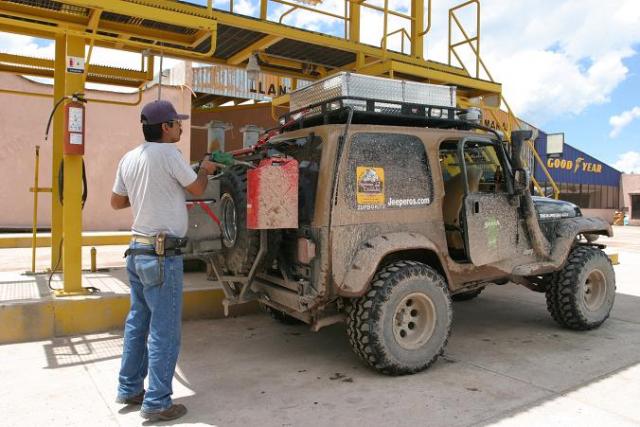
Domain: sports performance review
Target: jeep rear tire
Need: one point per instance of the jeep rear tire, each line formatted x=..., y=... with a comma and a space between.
x=402, y=324
x=580, y=295
x=239, y=244
x=467, y=295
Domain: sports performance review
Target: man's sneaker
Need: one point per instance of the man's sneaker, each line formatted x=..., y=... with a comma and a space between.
x=133, y=400
x=171, y=413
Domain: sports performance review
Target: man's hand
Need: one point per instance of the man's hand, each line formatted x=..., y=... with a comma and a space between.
x=209, y=166
x=198, y=187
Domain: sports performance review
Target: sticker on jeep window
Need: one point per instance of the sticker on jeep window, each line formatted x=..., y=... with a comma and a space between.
x=401, y=203
x=370, y=187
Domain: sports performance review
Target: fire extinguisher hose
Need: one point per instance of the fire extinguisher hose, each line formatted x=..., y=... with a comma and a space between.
x=85, y=189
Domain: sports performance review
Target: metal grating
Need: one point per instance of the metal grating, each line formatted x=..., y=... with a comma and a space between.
x=123, y=19
x=311, y=53
x=19, y=290
x=53, y=5
x=231, y=40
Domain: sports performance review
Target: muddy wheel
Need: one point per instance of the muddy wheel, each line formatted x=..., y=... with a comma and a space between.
x=402, y=324
x=466, y=296
x=580, y=295
x=239, y=245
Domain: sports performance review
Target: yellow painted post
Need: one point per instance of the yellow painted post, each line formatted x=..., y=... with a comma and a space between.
x=385, y=26
x=263, y=9
x=35, y=210
x=354, y=21
x=94, y=254
x=72, y=207
x=417, y=26
x=56, y=158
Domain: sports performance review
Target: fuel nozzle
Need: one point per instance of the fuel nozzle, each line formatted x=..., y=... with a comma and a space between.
x=227, y=159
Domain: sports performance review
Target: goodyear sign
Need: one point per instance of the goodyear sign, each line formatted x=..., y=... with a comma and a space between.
x=575, y=166
x=579, y=165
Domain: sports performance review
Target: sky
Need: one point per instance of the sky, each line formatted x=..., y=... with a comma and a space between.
x=569, y=66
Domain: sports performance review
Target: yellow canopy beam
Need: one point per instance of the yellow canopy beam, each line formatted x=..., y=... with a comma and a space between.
x=96, y=73
x=259, y=45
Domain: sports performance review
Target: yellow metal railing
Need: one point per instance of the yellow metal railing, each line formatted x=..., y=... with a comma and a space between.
x=512, y=121
x=345, y=16
x=402, y=31
x=35, y=190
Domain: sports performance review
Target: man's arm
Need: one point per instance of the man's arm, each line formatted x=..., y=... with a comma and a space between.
x=119, y=202
x=198, y=187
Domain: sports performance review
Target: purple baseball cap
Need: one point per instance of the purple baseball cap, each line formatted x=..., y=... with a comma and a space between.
x=160, y=112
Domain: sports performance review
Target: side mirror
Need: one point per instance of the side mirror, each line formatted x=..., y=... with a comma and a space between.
x=521, y=180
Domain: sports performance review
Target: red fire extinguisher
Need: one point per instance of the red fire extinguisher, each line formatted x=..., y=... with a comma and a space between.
x=74, y=125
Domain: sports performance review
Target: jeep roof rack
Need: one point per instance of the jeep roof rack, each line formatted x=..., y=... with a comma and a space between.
x=377, y=100
x=375, y=111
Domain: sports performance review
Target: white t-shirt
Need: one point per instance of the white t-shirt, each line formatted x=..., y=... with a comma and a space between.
x=154, y=175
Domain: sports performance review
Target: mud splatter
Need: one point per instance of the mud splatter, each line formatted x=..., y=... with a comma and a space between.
x=337, y=376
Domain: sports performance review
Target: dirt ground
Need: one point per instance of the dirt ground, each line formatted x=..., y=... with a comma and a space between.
x=507, y=363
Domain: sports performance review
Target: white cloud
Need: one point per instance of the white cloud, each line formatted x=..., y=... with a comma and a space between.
x=628, y=162
x=244, y=7
x=551, y=56
x=621, y=121
x=24, y=45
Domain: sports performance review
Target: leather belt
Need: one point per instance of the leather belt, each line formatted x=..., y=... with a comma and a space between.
x=146, y=240
x=151, y=252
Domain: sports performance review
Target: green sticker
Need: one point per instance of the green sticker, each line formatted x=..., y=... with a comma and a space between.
x=491, y=226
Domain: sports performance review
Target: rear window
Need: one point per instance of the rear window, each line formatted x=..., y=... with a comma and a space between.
x=388, y=171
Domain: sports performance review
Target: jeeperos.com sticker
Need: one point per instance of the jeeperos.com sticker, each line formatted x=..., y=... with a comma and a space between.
x=370, y=187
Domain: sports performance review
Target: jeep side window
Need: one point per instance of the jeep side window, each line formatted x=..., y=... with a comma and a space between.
x=485, y=173
x=387, y=171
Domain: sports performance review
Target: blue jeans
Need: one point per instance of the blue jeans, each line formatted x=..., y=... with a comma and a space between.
x=152, y=328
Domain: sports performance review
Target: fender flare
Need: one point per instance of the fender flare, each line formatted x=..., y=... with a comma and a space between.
x=567, y=231
x=565, y=235
x=366, y=260
x=584, y=224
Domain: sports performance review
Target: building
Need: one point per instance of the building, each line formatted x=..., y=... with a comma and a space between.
x=631, y=197
x=582, y=179
x=112, y=130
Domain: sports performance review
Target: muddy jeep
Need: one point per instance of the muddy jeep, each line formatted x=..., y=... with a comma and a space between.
x=398, y=215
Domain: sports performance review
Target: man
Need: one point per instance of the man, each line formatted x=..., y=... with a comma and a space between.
x=151, y=179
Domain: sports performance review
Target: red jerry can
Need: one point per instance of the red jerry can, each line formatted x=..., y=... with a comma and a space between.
x=272, y=194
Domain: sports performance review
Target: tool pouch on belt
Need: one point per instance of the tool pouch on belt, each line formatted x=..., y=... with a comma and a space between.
x=163, y=246
x=160, y=243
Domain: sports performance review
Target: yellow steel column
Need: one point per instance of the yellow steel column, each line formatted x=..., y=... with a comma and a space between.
x=354, y=21
x=417, y=27
x=72, y=200
x=56, y=158
x=263, y=9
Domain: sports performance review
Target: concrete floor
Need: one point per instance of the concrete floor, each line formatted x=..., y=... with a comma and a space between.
x=507, y=363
